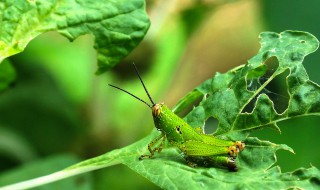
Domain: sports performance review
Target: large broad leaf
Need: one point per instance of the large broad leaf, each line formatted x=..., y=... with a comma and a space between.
x=117, y=25
x=227, y=97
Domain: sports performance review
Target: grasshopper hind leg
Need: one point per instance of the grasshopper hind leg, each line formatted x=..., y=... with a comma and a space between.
x=191, y=162
x=213, y=161
x=153, y=149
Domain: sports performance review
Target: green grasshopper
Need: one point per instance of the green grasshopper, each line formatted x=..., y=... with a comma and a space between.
x=198, y=148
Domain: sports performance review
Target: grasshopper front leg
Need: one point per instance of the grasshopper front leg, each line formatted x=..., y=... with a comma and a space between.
x=151, y=144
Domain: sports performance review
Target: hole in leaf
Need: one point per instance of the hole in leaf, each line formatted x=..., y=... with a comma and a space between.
x=249, y=107
x=258, y=76
x=276, y=91
x=302, y=41
x=315, y=181
x=211, y=125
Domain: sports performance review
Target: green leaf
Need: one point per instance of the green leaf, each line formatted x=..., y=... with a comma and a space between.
x=117, y=25
x=226, y=97
x=14, y=146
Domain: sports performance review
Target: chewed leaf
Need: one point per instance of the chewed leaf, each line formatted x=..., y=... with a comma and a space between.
x=225, y=97
x=118, y=26
x=169, y=171
x=259, y=155
x=228, y=99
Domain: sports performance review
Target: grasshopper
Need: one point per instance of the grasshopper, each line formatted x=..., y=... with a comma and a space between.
x=198, y=148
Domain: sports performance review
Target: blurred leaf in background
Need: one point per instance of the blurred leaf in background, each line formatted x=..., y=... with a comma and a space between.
x=47, y=165
x=37, y=111
x=7, y=75
x=52, y=107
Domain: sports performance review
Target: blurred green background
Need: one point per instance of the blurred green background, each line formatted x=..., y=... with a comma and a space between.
x=57, y=112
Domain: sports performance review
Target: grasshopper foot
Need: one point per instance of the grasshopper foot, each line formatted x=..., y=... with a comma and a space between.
x=190, y=163
x=144, y=156
x=232, y=165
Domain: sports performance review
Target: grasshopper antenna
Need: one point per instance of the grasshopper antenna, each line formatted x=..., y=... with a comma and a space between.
x=145, y=89
x=131, y=95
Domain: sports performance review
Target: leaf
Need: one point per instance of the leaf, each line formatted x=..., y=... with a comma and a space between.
x=117, y=25
x=7, y=75
x=14, y=146
x=32, y=115
x=226, y=97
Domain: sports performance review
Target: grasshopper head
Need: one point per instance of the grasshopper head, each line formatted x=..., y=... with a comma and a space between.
x=156, y=109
